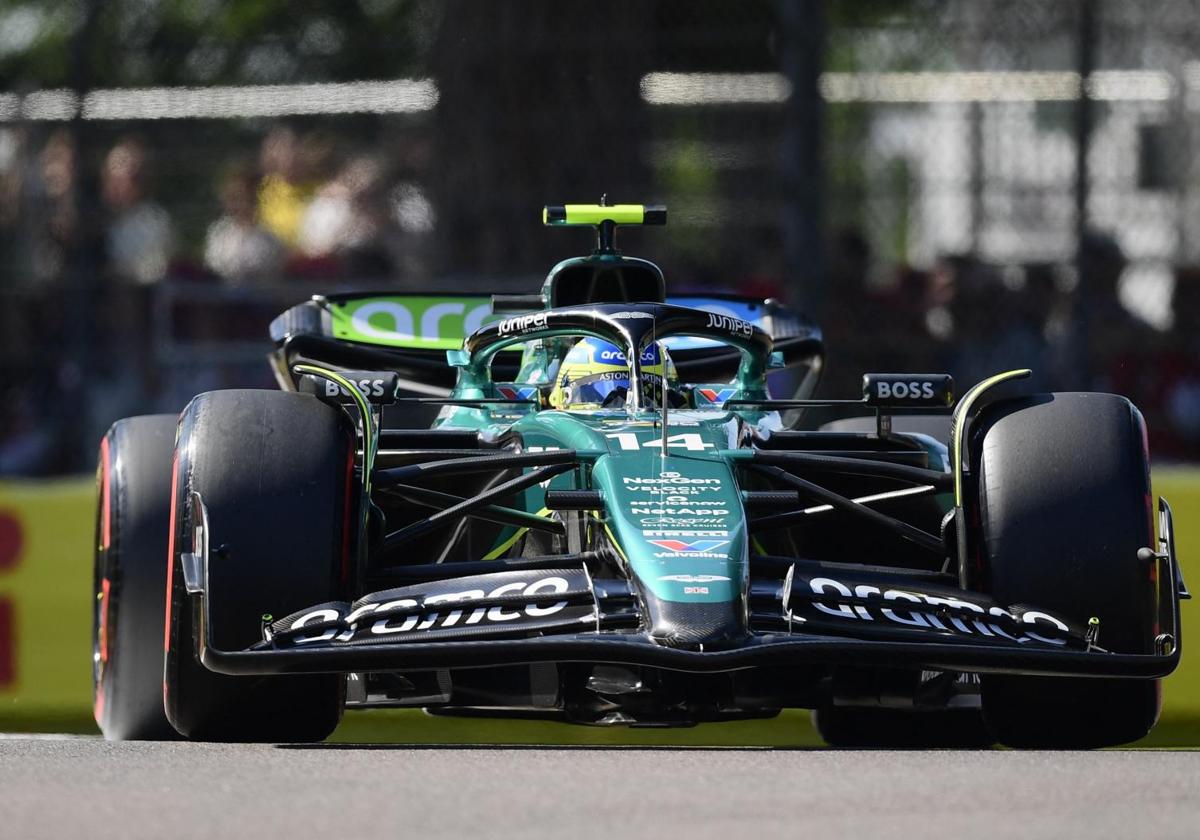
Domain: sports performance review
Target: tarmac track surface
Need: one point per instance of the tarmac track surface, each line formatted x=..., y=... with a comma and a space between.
x=88, y=788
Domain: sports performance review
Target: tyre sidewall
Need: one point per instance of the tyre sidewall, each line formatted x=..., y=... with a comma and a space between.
x=1064, y=505
x=132, y=528
x=271, y=469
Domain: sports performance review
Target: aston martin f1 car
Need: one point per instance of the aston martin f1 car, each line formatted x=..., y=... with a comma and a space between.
x=586, y=505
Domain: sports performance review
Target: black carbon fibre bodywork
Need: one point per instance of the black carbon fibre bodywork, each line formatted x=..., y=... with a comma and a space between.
x=923, y=651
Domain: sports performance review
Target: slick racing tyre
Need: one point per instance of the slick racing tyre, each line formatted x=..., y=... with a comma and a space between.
x=273, y=470
x=133, y=521
x=865, y=727
x=1064, y=506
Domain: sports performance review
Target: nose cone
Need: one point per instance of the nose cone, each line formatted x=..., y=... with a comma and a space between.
x=679, y=525
x=693, y=625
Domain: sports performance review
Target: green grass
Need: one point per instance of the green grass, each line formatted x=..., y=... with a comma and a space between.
x=1181, y=691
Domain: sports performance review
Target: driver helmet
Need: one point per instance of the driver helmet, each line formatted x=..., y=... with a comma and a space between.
x=595, y=374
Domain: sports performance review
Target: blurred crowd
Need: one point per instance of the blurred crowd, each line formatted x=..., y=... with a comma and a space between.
x=302, y=209
x=89, y=248
x=972, y=319
x=83, y=264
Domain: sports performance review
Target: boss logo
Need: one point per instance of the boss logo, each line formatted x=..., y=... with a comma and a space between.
x=368, y=387
x=904, y=390
x=377, y=387
x=911, y=389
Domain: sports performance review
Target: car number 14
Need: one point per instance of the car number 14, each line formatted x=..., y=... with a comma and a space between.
x=686, y=440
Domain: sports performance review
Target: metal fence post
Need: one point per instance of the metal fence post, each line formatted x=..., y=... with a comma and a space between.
x=1085, y=61
x=802, y=26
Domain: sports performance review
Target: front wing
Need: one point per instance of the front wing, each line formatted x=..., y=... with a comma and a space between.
x=558, y=613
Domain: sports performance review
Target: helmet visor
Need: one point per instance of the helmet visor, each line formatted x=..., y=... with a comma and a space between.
x=611, y=389
x=598, y=389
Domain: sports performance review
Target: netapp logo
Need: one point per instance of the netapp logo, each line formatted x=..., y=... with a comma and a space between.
x=677, y=511
x=409, y=619
x=522, y=323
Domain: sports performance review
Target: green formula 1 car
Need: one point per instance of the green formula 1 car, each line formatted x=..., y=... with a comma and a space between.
x=585, y=505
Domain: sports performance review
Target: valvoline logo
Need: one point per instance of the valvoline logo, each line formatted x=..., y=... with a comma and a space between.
x=510, y=392
x=717, y=397
x=689, y=547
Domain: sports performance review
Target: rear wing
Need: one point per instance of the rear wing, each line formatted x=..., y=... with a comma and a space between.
x=409, y=333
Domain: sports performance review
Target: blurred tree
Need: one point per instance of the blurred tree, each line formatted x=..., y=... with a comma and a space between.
x=189, y=42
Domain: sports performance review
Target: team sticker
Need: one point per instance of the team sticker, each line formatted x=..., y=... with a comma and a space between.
x=693, y=584
x=675, y=495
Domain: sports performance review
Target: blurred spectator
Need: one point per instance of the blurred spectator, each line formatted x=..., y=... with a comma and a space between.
x=27, y=441
x=37, y=208
x=872, y=326
x=1117, y=340
x=237, y=247
x=58, y=212
x=849, y=265
x=1043, y=303
x=289, y=181
x=944, y=281
x=352, y=219
x=1181, y=367
x=902, y=330
x=765, y=268
x=1165, y=384
x=984, y=324
x=140, y=236
x=849, y=314
x=335, y=220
